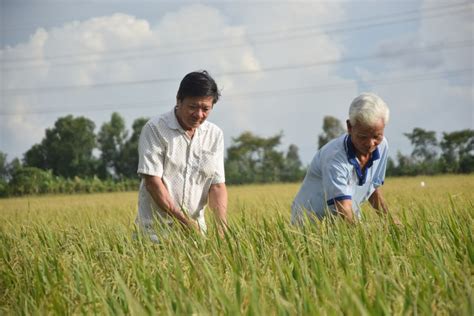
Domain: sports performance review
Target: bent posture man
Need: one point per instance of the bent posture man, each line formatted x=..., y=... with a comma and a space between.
x=181, y=161
x=349, y=169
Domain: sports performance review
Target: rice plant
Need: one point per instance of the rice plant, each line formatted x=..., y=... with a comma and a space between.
x=75, y=255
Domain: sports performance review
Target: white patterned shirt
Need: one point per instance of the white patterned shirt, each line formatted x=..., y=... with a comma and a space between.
x=187, y=167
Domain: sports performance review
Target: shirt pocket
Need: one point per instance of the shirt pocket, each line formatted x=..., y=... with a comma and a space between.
x=207, y=163
x=174, y=164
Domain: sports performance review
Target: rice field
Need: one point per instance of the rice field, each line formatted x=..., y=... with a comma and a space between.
x=75, y=255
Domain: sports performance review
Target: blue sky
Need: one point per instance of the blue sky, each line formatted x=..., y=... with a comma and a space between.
x=282, y=65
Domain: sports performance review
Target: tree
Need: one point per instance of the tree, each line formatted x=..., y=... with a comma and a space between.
x=254, y=159
x=66, y=148
x=391, y=170
x=332, y=128
x=242, y=158
x=3, y=167
x=271, y=161
x=458, y=151
x=424, y=143
x=7, y=168
x=425, y=149
x=128, y=163
x=110, y=140
x=3, y=174
x=406, y=167
x=12, y=167
x=30, y=180
x=292, y=170
x=37, y=157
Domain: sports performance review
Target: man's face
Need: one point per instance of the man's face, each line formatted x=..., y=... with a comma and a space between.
x=193, y=111
x=366, y=138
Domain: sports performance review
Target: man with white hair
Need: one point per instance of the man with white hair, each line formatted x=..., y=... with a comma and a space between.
x=349, y=169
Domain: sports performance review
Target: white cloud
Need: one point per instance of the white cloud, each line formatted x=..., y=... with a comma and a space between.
x=124, y=48
x=442, y=101
x=443, y=39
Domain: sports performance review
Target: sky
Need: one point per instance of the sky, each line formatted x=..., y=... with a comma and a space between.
x=281, y=65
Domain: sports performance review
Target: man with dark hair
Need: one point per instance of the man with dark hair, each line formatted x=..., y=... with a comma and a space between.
x=181, y=162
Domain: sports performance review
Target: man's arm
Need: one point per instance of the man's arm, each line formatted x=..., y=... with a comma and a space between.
x=344, y=208
x=218, y=204
x=378, y=203
x=162, y=198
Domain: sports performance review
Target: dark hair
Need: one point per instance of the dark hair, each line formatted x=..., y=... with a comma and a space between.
x=198, y=84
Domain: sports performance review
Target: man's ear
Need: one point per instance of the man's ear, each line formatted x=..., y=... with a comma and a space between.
x=349, y=126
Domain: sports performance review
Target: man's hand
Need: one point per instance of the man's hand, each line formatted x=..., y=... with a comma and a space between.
x=396, y=221
x=162, y=198
x=195, y=225
x=378, y=203
x=190, y=223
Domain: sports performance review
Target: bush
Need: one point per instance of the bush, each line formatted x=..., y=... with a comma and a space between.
x=32, y=180
x=3, y=188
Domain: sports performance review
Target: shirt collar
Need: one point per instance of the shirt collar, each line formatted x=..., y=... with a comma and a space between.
x=351, y=157
x=172, y=122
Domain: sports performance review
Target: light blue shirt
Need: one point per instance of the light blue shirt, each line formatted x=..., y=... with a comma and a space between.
x=335, y=175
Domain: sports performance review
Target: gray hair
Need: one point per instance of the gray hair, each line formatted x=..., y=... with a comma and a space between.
x=368, y=109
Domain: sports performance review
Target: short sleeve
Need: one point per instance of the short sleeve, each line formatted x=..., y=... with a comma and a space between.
x=336, y=182
x=151, y=151
x=219, y=175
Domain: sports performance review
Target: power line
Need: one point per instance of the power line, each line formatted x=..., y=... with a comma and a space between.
x=269, y=93
x=201, y=49
x=427, y=49
x=370, y=18
x=385, y=81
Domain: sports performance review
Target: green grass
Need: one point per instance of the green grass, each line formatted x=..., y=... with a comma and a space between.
x=75, y=255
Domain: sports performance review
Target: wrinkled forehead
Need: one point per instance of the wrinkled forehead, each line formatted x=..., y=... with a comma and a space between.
x=379, y=126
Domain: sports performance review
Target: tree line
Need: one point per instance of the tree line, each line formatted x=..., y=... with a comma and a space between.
x=72, y=158
x=453, y=153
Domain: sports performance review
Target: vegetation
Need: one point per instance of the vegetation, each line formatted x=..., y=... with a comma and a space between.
x=332, y=128
x=74, y=254
x=31, y=180
x=254, y=159
x=453, y=154
x=64, y=162
x=67, y=149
